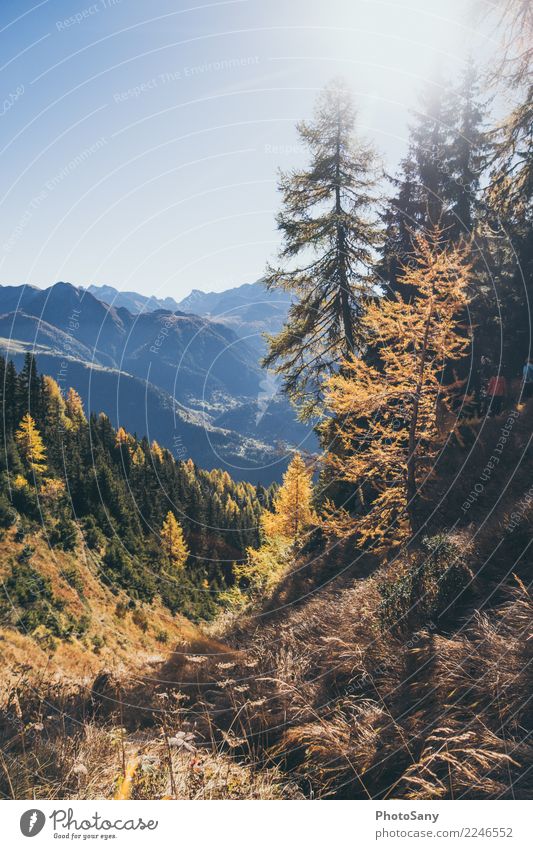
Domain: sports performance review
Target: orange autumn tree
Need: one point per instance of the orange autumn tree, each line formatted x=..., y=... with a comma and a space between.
x=387, y=416
x=282, y=532
x=74, y=409
x=293, y=511
x=173, y=542
x=30, y=446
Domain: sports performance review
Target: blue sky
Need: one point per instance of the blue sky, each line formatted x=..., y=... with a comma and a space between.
x=140, y=141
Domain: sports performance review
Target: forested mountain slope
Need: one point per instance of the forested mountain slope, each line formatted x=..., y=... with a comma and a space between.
x=187, y=381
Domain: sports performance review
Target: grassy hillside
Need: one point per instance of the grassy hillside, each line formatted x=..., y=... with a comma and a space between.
x=407, y=677
x=109, y=631
x=403, y=676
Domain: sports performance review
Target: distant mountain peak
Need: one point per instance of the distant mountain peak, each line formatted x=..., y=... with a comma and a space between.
x=132, y=301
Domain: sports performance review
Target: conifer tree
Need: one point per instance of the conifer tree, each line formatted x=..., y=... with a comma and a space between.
x=138, y=457
x=30, y=446
x=173, y=542
x=9, y=409
x=429, y=148
x=326, y=219
x=512, y=176
x=504, y=316
x=74, y=408
x=54, y=406
x=122, y=438
x=54, y=421
x=467, y=154
x=29, y=389
x=156, y=452
x=393, y=412
x=293, y=511
x=439, y=180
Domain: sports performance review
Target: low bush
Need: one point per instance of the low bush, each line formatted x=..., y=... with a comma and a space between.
x=7, y=513
x=129, y=573
x=29, y=605
x=423, y=590
x=63, y=534
x=92, y=535
x=73, y=579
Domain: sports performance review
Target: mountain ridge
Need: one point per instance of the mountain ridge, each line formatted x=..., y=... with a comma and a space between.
x=180, y=375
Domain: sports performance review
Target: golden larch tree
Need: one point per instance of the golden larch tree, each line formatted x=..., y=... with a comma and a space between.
x=54, y=405
x=74, y=407
x=293, y=511
x=156, y=452
x=173, y=542
x=388, y=416
x=138, y=457
x=30, y=446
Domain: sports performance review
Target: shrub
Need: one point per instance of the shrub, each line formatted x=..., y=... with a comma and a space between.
x=45, y=638
x=98, y=642
x=29, y=605
x=422, y=591
x=121, y=609
x=20, y=533
x=82, y=626
x=7, y=513
x=140, y=619
x=26, y=554
x=73, y=579
x=92, y=535
x=64, y=534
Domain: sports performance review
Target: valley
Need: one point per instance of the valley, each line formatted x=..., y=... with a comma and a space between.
x=192, y=382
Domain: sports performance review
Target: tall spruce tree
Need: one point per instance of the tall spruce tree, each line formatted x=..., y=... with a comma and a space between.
x=439, y=179
x=430, y=136
x=326, y=220
x=29, y=389
x=467, y=154
x=509, y=192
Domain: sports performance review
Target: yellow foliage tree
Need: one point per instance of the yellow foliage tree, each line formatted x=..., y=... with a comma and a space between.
x=258, y=575
x=52, y=489
x=388, y=418
x=173, y=542
x=124, y=438
x=156, y=452
x=293, y=512
x=137, y=456
x=54, y=404
x=74, y=407
x=30, y=446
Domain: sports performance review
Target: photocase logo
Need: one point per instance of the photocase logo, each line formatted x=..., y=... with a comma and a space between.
x=32, y=822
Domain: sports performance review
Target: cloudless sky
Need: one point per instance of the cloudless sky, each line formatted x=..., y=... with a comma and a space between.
x=140, y=141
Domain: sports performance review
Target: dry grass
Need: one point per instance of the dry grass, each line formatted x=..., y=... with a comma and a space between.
x=316, y=695
x=441, y=709
x=113, y=641
x=67, y=755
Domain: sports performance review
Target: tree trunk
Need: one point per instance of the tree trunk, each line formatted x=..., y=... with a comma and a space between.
x=346, y=314
x=411, y=487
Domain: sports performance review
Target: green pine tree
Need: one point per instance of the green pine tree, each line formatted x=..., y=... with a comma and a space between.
x=327, y=220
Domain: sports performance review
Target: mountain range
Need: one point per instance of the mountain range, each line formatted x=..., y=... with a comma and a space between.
x=191, y=381
x=133, y=301
x=249, y=310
